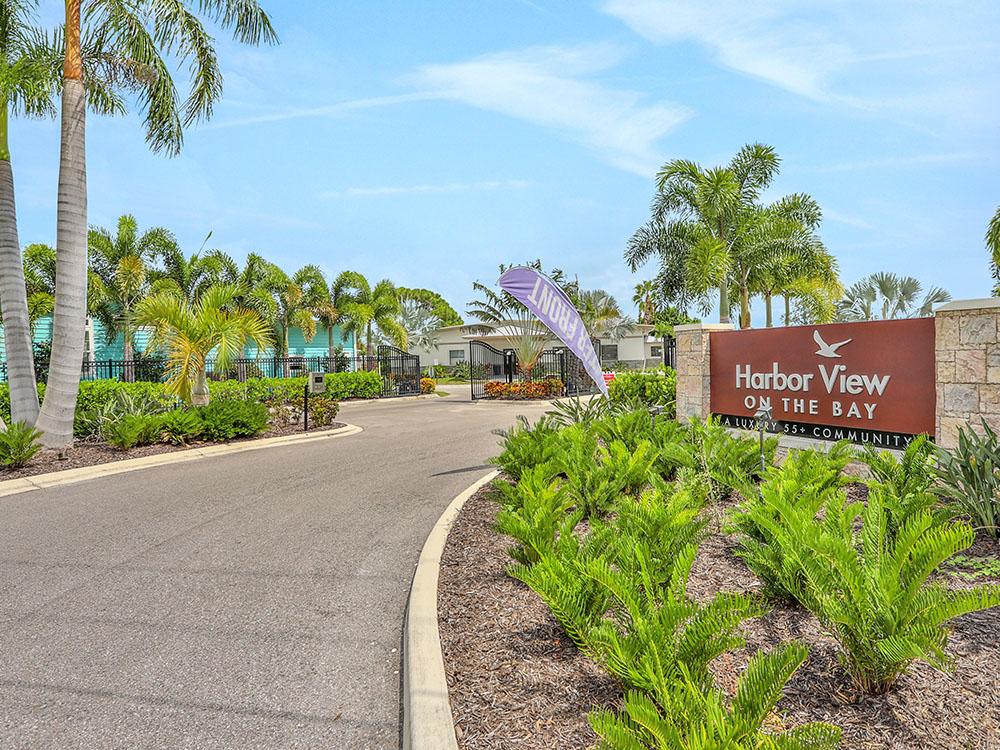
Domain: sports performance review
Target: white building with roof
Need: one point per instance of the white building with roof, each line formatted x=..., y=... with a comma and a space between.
x=636, y=350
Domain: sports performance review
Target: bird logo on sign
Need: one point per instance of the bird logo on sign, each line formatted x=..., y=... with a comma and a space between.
x=828, y=350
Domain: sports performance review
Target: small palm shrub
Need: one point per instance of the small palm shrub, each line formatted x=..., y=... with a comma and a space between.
x=180, y=426
x=534, y=513
x=912, y=473
x=657, y=633
x=526, y=445
x=792, y=496
x=133, y=430
x=970, y=476
x=575, y=410
x=683, y=715
x=576, y=601
x=228, y=419
x=874, y=594
x=19, y=443
x=728, y=460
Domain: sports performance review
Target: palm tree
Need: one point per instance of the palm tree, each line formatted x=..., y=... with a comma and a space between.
x=434, y=302
x=294, y=300
x=807, y=271
x=645, y=300
x=27, y=85
x=993, y=245
x=602, y=315
x=364, y=308
x=122, y=263
x=711, y=232
x=192, y=332
x=189, y=276
x=421, y=325
x=140, y=33
x=886, y=296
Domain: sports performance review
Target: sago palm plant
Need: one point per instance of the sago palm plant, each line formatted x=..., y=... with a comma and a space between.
x=876, y=596
x=191, y=333
x=685, y=715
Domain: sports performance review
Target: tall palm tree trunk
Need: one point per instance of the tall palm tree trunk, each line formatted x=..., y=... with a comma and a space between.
x=723, y=302
x=768, y=317
x=70, y=317
x=13, y=298
x=744, y=307
x=788, y=311
x=331, y=350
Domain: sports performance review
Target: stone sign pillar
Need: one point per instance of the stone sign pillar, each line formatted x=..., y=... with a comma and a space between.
x=693, y=378
x=967, y=354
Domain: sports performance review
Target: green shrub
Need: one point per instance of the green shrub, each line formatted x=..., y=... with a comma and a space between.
x=534, y=512
x=793, y=495
x=657, y=388
x=133, y=430
x=873, y=591
x=323, y=410
x=228, y=419
x=912, y=473
x=970, y=476
x=526, y=446
x=114, y=405
x=180, y=426
x=728, y=460
x=656, y=634
x=682, y=713
x=19, y=443
x=5, y=400
x=575, y=410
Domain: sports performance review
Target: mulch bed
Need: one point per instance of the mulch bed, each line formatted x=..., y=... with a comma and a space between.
x=92, y=452
x=516, y=681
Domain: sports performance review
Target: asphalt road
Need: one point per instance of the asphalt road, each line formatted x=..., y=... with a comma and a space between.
x=247, y=601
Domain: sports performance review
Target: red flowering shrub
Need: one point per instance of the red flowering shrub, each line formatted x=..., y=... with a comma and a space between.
x=535, y=389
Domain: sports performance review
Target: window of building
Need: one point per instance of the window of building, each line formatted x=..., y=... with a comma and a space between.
x=656, y=352
x=609, y=352
x=455, y=356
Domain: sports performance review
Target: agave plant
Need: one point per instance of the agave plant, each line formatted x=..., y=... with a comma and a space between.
x=970, y=476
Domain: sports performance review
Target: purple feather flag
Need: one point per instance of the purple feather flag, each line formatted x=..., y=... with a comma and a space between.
x=553, y=307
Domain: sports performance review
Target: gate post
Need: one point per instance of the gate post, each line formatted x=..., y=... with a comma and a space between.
x=967, y=366
x=508, y=365
x=693, y=375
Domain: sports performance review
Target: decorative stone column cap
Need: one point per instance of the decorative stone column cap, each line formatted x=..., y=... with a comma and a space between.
x=708, y=326
x=966, y=304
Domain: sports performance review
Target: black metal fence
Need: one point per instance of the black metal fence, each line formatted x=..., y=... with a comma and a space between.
x=400, y=371
x=153, y=369
x=489, y=364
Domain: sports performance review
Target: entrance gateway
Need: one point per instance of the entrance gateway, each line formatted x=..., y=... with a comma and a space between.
x=871, y=382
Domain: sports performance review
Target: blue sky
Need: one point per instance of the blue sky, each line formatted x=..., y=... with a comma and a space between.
x=429, y=142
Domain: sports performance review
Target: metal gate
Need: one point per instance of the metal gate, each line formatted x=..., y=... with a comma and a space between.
x=400, y=371
x=489, y=364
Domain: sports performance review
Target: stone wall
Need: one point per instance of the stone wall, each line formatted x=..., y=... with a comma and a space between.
x=967, y=354
x=693, y=380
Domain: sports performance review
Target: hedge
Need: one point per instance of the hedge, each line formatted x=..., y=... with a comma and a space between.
x=339, y=386
x=658, y=388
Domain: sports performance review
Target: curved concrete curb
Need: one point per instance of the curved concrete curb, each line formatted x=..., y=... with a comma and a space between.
x=82, y=474
x=427, y=719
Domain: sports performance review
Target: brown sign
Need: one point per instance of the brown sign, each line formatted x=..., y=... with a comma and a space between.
x=873, y=376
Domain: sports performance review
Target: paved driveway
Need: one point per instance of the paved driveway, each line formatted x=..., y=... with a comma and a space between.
x=247, y=601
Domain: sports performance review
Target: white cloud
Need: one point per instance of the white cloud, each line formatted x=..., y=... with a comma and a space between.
x=890, y=55
x=554, y=87
x=330, y=110
x=762, y=39
x=448, y=187
x=952, y=157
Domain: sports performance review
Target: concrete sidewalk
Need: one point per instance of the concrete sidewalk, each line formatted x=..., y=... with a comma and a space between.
x=247, y=601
